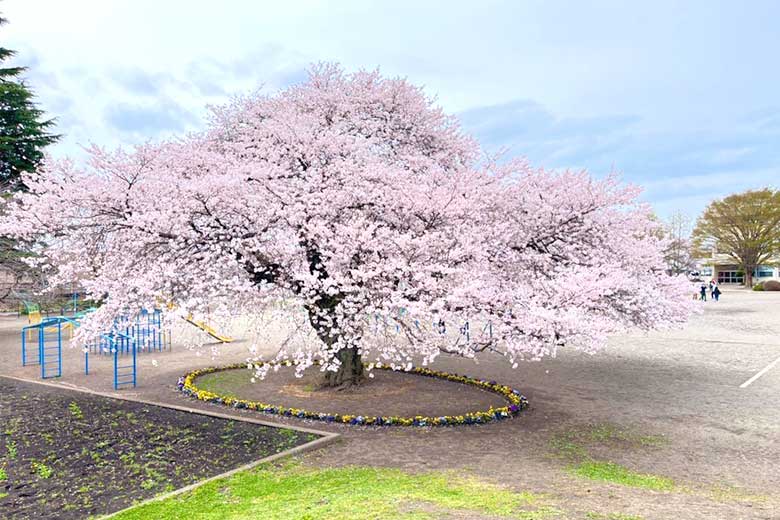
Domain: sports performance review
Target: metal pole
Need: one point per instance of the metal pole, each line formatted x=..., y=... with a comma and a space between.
x=41, y=358
x=59, y=348
x=116, y=359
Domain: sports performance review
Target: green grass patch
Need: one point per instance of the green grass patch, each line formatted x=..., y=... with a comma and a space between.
x=42, y=470
x=566, y=446
x=225, y=382
x=75, y=410
x=606, y=433
x=292, y=491
x=575, y=446
x=617, y=474
x=729, y=493
x=572, y=444
x=3, y=474
x=10, y=446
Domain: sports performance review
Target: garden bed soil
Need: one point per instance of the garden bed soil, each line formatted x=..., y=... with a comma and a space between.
x=66, y=454
x=388, y=393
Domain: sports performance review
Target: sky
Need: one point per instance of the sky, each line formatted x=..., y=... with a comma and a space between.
x=680, y=97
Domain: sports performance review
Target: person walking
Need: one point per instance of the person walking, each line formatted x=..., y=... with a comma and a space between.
x=713, y=284
x=716, y=293
x=703, y=292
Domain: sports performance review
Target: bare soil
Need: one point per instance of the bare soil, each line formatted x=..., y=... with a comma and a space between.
x=387, y=393
x=70, y=454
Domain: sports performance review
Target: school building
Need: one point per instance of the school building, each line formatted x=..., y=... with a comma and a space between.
x=723, y=269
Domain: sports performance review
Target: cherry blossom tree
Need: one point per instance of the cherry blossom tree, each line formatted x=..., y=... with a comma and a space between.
x=354, y=198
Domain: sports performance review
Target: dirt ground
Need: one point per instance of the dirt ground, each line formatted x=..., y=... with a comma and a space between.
x=68, y=455
x=719, y=443
x=387, y=393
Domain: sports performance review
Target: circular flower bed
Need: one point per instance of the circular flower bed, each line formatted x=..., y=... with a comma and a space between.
x=517, y=402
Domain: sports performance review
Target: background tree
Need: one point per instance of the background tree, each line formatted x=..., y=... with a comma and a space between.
x=24, y=132
x=356, y=203
x=744, y=226
x=678, y=251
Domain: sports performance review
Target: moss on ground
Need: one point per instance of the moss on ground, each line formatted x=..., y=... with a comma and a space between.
x=292, y=491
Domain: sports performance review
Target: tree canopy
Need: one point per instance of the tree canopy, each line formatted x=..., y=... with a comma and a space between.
x=745, y=226
x=353, y=197
x=24, y=130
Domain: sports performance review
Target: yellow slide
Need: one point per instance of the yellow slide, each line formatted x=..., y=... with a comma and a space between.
x=208, y=330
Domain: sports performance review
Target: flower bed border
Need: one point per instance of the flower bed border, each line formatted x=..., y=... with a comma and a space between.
x=517, y=401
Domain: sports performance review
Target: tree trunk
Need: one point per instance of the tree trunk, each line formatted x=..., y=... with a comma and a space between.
x=324, y=322
x=350, y=372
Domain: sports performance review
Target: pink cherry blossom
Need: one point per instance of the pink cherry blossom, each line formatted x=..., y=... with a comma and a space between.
x=352, y=198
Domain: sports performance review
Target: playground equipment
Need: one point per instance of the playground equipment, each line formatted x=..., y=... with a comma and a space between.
x=42, y=344
x=47, y=351
x=27, y=306
x=145, y=331
x=202, y=325
x=208, y=330
x=380, y=324
x=129, y=337
x=118, y=344
x=33, y=310
x=34, y=317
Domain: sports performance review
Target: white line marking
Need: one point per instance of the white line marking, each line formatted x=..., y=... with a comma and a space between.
x=761, y=373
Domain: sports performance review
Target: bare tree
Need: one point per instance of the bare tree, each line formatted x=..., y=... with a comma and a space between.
x=678, y=252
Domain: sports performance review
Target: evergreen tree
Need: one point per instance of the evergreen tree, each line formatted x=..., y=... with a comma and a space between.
x=24, y=132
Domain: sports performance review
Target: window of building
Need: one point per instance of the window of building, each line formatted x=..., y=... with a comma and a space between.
x=706, y=271
x=764, y=271
x=731, y=277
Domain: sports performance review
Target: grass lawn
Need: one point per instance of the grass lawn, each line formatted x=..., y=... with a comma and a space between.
x=292, y=491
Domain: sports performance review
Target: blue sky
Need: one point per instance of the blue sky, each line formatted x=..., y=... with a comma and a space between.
x=681, y=97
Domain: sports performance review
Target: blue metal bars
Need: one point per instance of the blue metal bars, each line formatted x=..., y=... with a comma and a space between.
x=31, y=354
x=42, y=345
x=126, y=373
x=145, y=331
x=50, y=346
